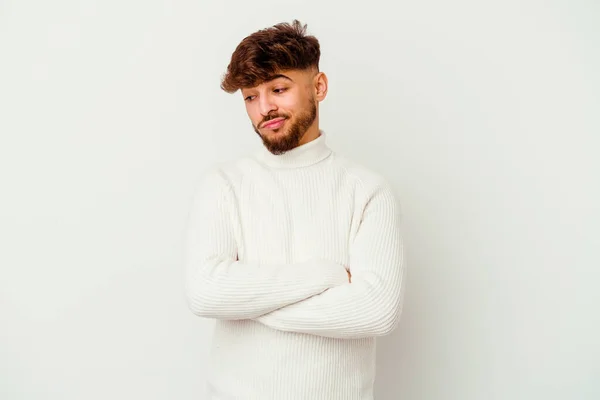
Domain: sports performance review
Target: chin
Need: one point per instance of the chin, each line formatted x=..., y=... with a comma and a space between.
x=280, y=132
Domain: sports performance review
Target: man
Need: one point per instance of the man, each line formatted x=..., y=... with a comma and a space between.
x=295, y=250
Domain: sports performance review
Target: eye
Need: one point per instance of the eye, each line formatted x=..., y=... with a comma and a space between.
x=249, y=98
x=280, y=90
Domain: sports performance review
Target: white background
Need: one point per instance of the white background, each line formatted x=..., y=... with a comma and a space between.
x=483, y=115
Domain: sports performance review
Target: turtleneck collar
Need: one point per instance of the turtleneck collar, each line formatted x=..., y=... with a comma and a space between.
x=302, y=156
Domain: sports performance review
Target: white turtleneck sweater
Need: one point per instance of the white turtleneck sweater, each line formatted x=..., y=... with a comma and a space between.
x=268, y=243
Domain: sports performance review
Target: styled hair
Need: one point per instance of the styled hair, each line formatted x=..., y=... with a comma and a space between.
x=278, y=48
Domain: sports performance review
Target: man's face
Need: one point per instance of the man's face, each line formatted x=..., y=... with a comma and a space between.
x=282, y=109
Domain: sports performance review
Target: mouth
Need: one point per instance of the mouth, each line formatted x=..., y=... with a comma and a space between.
x=274, y=123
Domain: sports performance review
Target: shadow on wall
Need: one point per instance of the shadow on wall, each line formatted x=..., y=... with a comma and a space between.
x=389, y=366
x=395, y=360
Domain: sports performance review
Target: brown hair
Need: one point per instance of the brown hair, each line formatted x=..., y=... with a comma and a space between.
x=281, y=47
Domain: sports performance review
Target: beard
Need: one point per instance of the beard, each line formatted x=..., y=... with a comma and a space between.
x=291, y=138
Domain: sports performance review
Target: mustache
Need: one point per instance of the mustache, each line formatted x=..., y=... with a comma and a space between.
x=271, y=117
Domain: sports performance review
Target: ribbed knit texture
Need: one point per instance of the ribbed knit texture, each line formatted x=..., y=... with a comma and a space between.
x=269, y=240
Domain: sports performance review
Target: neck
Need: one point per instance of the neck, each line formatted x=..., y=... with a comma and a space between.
x=311, y=134
x=308, y=153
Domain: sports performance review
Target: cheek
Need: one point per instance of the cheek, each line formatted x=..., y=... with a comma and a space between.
x=285, y=110
x=253, y=114
x=294, y=106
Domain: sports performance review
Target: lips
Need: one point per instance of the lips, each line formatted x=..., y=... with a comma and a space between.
x=274, y=123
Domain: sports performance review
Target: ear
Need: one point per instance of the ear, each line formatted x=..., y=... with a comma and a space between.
x=320, y=85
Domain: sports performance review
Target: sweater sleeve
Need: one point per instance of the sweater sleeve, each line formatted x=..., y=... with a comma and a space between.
x=370, y=305
x=218, y=285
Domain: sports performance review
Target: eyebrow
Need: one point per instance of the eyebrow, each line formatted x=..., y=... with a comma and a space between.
x=277, y=76
x=273, y=77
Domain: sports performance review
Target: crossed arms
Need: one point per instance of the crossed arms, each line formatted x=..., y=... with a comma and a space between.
x=314, y=296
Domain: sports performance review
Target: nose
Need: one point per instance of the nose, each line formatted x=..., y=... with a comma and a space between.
x=266, y=105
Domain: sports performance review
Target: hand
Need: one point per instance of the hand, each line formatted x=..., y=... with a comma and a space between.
x=349, y=275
